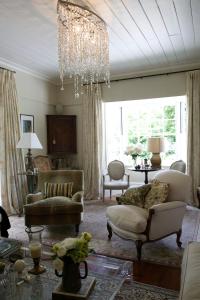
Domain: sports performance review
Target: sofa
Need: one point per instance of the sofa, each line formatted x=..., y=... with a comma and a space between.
x=190, y=273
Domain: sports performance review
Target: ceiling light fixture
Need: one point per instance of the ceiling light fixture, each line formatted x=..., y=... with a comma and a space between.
x=83, y=46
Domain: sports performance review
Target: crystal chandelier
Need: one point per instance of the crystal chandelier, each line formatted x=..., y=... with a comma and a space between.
x=83, y=46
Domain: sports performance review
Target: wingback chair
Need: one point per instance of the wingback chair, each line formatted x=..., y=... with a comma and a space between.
x=116, y=178
x=142, y=224
x=59, y=199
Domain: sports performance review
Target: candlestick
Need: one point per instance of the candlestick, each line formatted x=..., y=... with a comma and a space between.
x=35, y=249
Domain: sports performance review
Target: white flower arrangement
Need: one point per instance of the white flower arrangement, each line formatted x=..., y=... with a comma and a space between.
x=76, y=248
x=134, y=151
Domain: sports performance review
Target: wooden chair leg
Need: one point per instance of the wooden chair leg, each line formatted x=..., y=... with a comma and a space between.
x=139, y=249
x=103, y=194
x=109, y=231
x=77, y=228
x=178, y=238
x=110, y=194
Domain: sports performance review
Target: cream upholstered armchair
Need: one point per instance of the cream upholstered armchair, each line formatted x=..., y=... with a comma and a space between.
x=142, y=221
x=116, y=178
x=59, y=199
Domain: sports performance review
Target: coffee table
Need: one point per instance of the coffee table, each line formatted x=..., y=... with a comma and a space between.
x=109, y=274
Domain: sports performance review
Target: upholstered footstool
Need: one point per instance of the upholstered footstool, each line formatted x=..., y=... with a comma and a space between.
x=53, y=211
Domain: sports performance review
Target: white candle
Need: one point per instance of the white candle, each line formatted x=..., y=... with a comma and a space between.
x=35, y=248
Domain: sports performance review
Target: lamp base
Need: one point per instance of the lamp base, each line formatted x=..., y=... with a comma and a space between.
x=156, y=160
x=29, y=161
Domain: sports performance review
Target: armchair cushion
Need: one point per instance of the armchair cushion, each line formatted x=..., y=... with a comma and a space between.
x=157, y=194
x=53, y=205
x=135, y=196
x=128, y=217
x=58, y=189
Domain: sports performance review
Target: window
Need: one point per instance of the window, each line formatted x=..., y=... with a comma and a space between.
x=132, y=122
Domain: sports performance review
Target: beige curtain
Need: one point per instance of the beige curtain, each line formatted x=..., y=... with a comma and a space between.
x=193, y=147
x=13, y=187
x=92, y=140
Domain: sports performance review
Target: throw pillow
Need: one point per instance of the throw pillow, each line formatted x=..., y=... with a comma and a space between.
x=157, y=194
x=135, y=196
x=58, y=189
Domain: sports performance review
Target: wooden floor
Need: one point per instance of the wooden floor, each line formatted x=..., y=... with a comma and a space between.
x=163, y=276
x=144, y=272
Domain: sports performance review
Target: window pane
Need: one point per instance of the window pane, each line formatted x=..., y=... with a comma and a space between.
x=146, y=118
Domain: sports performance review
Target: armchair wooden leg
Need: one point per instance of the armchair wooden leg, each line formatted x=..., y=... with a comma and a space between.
x=109, y=231
x=139, y=249
x=110, y=194
x=103, y=194
x=77, y=229
x=178, y=241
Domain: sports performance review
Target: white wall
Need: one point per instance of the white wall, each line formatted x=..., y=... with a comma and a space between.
x=36, y=97
x=146, y=88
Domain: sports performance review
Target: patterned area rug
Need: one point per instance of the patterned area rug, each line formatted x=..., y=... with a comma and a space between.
x=137, y=291
x=163, y=252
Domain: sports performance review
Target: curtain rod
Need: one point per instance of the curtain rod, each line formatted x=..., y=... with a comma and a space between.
x=7, y=69
x=140, y=77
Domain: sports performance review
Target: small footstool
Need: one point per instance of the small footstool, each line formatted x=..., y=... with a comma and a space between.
x=53, y=211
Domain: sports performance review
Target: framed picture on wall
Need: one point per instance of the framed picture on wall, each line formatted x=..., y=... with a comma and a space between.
x=27, y=123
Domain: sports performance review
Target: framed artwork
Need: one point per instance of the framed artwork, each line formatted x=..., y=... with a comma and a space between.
x=27, y=123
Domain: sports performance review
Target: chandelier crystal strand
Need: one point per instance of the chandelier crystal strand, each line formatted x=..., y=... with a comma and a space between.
x=83, y=46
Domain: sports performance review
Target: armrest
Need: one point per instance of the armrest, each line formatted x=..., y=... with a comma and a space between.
x=168, y=206
x=165, y=218
x=31, y=198
x=128, y=177
x=77, y=197
x=104, y=177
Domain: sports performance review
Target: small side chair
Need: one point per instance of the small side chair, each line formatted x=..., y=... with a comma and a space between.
x=116, y=178
x=42, y=163
x=178, y=165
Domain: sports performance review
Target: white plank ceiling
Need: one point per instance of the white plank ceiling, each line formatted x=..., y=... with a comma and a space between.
x=146, y=36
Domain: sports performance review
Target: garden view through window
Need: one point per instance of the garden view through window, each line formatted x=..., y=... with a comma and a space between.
x=132, y=122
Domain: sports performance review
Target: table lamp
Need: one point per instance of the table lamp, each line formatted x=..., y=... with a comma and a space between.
x=29, y=140
x=155, y=145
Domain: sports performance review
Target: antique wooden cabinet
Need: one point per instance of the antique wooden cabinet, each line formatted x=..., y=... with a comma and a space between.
x=61, y=134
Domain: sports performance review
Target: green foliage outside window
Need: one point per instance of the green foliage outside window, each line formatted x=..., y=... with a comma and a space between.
x=160, y=122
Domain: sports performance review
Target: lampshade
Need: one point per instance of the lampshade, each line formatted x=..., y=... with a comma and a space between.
x=29, y=140
x=155, y=144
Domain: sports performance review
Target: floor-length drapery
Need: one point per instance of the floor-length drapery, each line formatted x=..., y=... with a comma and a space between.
x=92, y=140
x=193, y=137
x=13, y=187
